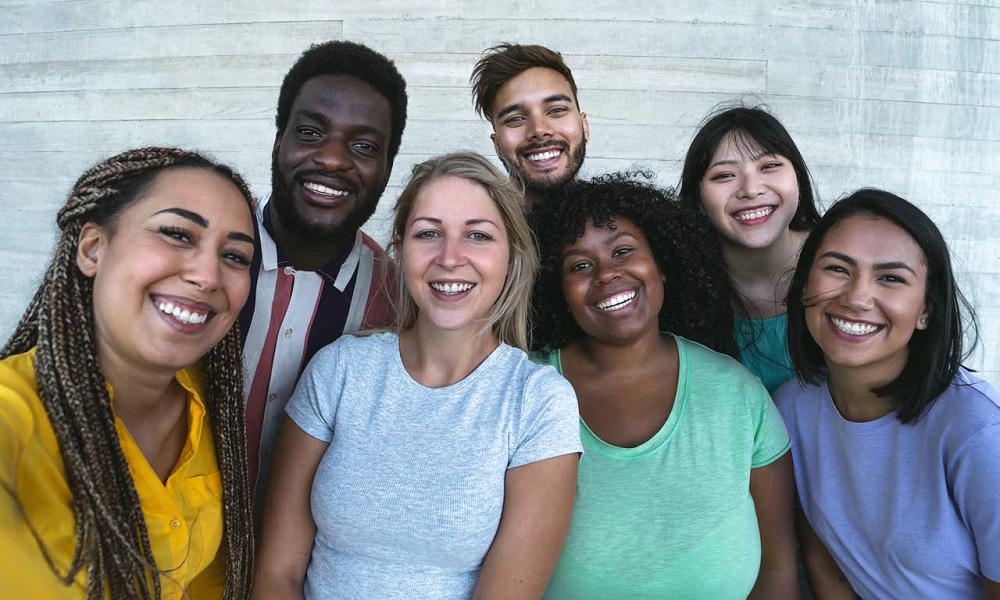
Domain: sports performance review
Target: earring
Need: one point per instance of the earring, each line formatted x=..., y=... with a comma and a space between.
x=923, y=320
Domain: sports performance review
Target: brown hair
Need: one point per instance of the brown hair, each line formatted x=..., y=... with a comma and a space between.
x=506, y=61
x=112, y=542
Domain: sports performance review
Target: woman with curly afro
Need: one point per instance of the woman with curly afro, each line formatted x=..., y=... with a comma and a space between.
x=685, y=487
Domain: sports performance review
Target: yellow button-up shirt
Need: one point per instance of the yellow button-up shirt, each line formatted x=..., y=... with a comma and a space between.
x=183, y=516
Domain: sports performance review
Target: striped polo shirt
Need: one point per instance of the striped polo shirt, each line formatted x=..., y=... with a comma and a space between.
x=289, y=315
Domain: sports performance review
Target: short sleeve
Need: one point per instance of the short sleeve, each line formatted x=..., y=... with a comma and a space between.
x=770, y=438
x=550, y=419
x=313, y=405
x=976, y=489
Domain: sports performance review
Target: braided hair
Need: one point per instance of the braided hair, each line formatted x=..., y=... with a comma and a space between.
x=683, y=243
x=112, y=542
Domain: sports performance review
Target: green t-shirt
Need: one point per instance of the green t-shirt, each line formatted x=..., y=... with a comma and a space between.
x=763, y=345
x=673, y=518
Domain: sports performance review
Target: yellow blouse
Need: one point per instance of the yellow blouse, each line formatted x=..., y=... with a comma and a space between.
x=183, y=516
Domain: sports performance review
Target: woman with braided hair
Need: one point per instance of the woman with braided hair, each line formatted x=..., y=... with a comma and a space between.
x=122, y=441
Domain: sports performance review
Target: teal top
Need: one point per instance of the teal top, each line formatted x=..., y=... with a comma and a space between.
x=673, y=517
x=763, y=345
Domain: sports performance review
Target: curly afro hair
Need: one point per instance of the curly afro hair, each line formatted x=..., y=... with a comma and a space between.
x=341, y=57
x=697, y=292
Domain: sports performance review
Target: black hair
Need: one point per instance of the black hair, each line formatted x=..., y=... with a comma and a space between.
x=935, y=353
x=341, y=57
x=683, y=243
x=753, y=129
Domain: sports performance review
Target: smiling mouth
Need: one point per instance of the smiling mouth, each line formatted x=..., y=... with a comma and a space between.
x=753, y=214
x=544, y=156
x=451, y=289
x=854, y=327
x=184, y=315
x=324, y=190
x=617, y=302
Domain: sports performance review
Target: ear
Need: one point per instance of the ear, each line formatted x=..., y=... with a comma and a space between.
x=88, y=249
x=925, y=318
x=586, y=126
x=496, y=147
x=277, y=144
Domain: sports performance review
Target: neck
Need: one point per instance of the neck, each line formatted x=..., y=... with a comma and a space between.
x=438, y=358
x=762, y=275
x=851, y=390
x=137, y=392
x=306, y=252
x=632, y=357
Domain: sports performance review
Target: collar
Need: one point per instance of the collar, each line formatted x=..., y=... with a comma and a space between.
x=339, y=271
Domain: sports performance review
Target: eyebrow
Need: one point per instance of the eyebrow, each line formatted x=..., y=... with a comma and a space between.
x=886, y=266
x=437, y=221
x=203, y=223
x=730, y=161
x=607, y=242
x=520, y=105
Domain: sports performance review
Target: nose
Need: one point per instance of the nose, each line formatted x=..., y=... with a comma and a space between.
x=751, y=185
x=452, y=253
x=539, y=127
x=332, y=155
x=204, y=270
x=607, y=272
x=858, y=294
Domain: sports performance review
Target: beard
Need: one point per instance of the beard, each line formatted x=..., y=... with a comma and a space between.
x=283, y=200
x=546, y=183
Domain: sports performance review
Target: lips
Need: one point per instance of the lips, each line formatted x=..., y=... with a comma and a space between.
x=854, y=328
x=757, y=214
x=451, y=288
x=184, y=311
x=543, y=155
x=617, y=301
x=323, y=189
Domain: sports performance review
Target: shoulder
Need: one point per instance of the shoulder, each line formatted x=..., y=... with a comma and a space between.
x=794, y=395
x=20, y=407
x=705, y=365
x=535, y=385
x=378, y=252
x=354, y=346
x=968, y=406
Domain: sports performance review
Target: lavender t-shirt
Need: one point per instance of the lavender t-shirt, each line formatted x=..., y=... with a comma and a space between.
x=907, y=511
x=408, y=496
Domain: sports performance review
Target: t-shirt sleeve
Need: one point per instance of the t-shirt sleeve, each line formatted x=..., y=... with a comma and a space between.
x=770, y=438
x=313, y=405
x=977, y=493
x=550, y=420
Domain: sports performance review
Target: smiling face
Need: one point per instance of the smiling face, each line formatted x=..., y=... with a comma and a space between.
x=455, y=255
x=331, y=162
x=539, y=132
x=612, y=284
x=171, y=273
x=750, y=197
x=865, y=296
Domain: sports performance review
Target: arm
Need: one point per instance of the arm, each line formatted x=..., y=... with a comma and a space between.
x=825, y=577
x=288, y=530
x=538, y=502
x=772, y=487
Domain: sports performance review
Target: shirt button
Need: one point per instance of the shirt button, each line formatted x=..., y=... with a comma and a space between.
x=288, y=333
x=175, y=523
x=289, y=271
x=272, y=397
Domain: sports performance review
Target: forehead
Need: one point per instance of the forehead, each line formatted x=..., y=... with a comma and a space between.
x=738, y=145
x=344, y=99
x=455, y=198
x=869, y=238
x=198, y=190
x=532, y=86
x=608, y=233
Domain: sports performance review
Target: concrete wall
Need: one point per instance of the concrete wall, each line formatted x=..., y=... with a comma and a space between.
x=899, y=94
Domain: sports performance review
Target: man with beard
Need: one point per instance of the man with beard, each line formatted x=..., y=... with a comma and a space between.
x=529, y=96
x=315, y=274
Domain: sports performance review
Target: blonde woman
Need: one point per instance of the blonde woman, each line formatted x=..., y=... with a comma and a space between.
x=433, y=461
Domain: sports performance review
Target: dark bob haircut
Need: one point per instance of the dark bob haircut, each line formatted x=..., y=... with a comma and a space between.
x=697, y=292
x=754, y=130
x=935, y=353
x=352, y=60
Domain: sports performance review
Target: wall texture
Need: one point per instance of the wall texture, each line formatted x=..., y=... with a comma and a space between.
x=898, y=94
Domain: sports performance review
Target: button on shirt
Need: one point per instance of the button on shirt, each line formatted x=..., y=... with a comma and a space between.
x=183, y=516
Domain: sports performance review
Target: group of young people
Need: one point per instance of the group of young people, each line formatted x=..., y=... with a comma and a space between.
x=536, y=392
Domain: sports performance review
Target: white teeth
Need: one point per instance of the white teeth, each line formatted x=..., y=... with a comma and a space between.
x=450, y=289
x=854, y=328
x=544, y=155
x=322, y=189
x=617, y=301
x=182, y=314
x=756, y=214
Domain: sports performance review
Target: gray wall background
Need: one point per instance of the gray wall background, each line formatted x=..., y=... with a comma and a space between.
x=903, y=95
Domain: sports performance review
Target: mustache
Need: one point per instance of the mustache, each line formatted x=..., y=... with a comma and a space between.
x=531, y=146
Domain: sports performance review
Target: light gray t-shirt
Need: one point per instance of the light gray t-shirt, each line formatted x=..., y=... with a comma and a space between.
x=408, y=496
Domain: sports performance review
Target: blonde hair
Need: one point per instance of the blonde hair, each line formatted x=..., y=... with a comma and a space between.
x=509, y=321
